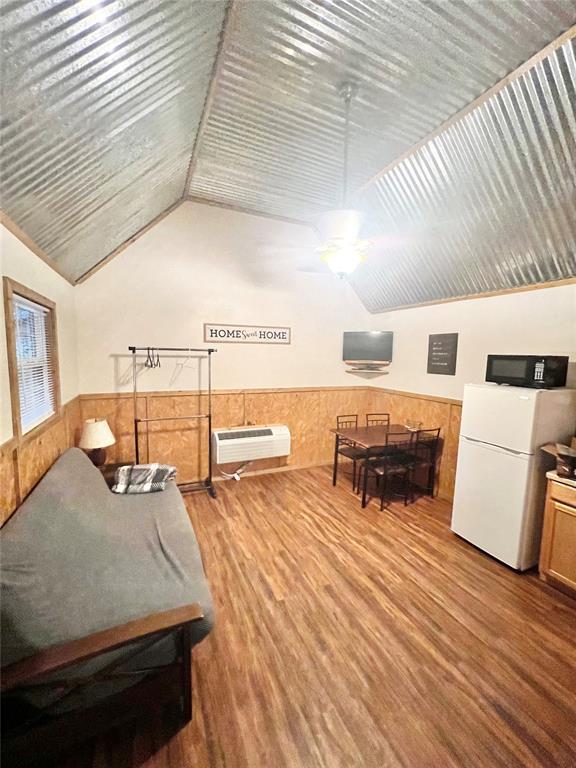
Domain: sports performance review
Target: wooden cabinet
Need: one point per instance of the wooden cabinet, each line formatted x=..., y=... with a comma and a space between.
x=558, y=551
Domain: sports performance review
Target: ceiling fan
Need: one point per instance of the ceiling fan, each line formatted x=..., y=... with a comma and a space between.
x=339, y=229
x=341, y=250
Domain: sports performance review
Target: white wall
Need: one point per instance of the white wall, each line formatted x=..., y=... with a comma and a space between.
x=21, y=264
x=206, y=264
x=531, y=322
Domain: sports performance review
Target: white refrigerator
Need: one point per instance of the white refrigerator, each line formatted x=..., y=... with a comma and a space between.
x=500, y=476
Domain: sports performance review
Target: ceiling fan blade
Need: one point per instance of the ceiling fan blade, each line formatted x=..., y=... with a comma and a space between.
x=317, y=269
x=288, y=258
x=381, y=242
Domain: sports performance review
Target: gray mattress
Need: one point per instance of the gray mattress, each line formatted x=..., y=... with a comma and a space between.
x=77, y=559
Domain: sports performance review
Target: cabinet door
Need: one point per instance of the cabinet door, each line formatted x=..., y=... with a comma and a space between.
x=562, y=555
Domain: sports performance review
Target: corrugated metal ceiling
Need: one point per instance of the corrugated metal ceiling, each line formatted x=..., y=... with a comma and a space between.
x=273, y=137
x=489, y=204
x=102, y=102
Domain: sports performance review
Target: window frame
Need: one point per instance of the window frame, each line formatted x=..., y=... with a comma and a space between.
x=11, y=289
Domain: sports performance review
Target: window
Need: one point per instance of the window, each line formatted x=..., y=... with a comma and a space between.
x=32, y=353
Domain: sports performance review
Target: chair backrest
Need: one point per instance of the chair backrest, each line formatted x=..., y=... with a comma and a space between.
x=374, y=419
x=427, y=440
x=401, y=441
x=347, y=421
x=376, y=451
x=396, y=442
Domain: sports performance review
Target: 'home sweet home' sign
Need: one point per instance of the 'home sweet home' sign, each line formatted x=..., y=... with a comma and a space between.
x=246, y=334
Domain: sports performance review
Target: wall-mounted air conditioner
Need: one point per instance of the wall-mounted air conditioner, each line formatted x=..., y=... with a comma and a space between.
x=250, y=443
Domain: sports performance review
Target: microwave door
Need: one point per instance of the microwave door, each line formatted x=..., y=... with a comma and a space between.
x=510, y=370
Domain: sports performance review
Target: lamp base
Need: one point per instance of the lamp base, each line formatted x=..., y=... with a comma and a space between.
x=97, y=456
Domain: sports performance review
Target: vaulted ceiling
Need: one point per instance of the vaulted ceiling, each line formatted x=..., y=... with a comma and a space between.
x=114, y=111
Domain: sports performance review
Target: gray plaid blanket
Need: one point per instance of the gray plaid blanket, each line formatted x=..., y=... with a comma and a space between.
x=143, y=478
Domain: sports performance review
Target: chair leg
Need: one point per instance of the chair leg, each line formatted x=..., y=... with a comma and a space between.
x=365, y=486
x=335, y=467
x=383, y=492
x=432, y=472
x=431, y=475
x=353, y=474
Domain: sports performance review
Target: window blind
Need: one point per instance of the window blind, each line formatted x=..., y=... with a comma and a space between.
x=34, y=361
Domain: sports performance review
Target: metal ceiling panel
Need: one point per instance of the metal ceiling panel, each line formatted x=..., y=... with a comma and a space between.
x=272, y=140
x=489, y=204
x=101, y=103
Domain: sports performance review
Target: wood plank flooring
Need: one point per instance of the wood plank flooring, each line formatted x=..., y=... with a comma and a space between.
x=351, y=638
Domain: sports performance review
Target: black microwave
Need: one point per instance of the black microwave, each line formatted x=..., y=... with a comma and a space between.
x=540, y=371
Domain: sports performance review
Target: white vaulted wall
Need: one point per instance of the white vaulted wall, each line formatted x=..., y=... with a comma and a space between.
x=539, y=322
x=204, y=264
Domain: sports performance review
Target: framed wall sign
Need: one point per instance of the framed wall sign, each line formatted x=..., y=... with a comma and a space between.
x=246, y=334
x=442, y=350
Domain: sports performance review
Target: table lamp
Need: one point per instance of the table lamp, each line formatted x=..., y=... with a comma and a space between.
x=96, y=437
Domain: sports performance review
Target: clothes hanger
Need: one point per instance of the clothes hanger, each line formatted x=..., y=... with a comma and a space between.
x=151, y=361
x=187, y=362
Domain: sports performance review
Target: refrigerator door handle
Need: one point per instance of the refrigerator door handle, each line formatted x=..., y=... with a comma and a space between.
x=493, y=445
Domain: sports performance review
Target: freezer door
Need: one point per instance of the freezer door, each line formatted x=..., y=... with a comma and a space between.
x=499, y=415
x=491, y=500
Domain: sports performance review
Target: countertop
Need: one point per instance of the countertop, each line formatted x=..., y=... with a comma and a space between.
x=565, y=480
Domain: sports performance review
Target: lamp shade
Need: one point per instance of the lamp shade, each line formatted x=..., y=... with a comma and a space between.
x=96, y=434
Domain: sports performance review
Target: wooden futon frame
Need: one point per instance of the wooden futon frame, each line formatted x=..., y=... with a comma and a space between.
x=40, y=734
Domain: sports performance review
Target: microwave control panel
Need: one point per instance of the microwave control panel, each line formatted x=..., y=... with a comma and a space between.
x=539, y=371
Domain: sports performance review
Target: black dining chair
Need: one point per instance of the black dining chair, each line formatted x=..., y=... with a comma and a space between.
x=425, y=452
x=377, y=419
x=393, y=459
x=347, y=448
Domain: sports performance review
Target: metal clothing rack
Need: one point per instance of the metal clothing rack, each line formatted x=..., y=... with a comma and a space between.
x=199, y=485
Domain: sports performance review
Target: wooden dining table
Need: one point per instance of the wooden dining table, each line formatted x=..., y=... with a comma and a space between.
x=366, y=437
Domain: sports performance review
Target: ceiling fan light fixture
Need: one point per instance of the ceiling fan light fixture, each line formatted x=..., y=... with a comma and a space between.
x=344, y=257
x=342, y=249
x=339, y=229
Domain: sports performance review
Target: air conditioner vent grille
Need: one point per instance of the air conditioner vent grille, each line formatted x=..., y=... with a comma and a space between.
x=245, y=433
x=244, y=444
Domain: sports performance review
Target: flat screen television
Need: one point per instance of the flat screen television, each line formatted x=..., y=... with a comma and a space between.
x=367, y=347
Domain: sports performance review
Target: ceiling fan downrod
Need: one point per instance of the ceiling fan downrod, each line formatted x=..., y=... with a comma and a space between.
x=347, y=90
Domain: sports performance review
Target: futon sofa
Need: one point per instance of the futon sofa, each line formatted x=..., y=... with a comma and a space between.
x=103, y=597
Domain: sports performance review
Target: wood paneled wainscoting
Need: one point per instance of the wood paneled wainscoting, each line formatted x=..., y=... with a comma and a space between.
x=25, y=460
x=432, y=412
x=310, y=413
